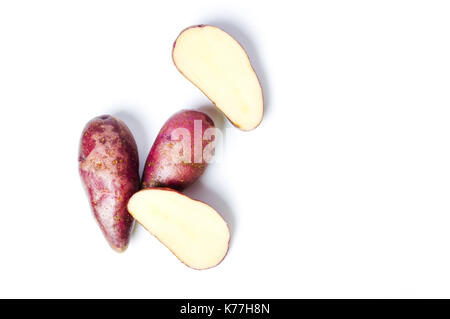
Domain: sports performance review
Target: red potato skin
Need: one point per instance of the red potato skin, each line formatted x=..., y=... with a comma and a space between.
x=109, y=169
x=162, y=167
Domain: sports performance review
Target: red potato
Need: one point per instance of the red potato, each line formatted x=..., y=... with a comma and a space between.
x=192, y=230
x=109, y=169
x=219, y=66
x=177, y=157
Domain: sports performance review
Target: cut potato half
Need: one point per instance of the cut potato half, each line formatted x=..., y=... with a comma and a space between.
x=218, y=65
x=192, y=230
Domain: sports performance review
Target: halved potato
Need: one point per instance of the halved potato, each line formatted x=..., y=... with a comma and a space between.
x=218, y=65
x=193, y=231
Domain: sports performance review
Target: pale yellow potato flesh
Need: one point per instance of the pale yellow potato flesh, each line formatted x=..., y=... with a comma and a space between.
x=218, y=65
x=193, y=231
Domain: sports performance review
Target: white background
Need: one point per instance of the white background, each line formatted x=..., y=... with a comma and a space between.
x=343, y=191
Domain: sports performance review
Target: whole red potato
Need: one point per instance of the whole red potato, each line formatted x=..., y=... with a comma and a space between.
x=177, y=157
x=109, y=169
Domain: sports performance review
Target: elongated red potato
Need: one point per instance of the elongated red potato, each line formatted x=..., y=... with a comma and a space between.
x=109, y=169
x=219, y=66
x=193, y=231
x=178, y=155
